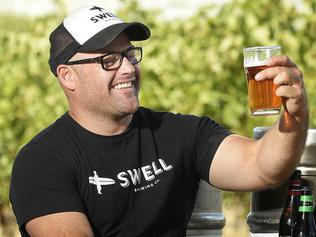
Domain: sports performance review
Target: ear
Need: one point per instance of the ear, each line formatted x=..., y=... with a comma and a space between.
x=66, y=77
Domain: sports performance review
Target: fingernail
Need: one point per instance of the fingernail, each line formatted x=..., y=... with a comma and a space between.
x=258, y=76
x=268, y=61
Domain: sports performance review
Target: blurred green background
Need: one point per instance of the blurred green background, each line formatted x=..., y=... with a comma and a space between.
x=191, y=65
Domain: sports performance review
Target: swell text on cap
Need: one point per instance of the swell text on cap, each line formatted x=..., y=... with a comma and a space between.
x=102, y=16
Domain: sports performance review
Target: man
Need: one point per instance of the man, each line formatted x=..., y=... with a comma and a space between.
x=108, y=167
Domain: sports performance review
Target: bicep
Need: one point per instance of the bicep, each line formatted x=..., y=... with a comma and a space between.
x=234, y=166
x=60, y=224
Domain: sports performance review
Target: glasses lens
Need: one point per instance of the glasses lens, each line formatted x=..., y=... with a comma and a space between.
x=114, y=60
x=111, y=61
x=134, y=55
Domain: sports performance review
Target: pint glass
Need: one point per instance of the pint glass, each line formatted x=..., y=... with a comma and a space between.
x=261, y=94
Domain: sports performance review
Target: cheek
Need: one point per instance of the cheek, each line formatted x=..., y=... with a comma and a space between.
x=91, y=82
x=101, y=80
x=92, y=87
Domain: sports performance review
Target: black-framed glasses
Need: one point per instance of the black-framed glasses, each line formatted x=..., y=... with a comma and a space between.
x=113, y=60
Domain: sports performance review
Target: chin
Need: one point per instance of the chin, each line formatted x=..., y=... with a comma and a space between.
x=133, y=108
x=130, y=109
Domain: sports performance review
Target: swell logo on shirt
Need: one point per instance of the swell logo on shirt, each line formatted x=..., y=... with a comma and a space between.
x=96, y=180
x=135, y=177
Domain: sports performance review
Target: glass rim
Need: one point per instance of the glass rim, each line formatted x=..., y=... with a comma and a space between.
x=262, y=48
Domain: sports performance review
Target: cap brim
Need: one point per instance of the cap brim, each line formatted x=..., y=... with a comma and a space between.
x=135, y=31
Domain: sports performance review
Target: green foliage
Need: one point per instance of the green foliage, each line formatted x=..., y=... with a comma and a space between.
x=191, y=65
x=195, y=64
x=30, y=95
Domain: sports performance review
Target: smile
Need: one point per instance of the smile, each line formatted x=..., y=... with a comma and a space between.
x=123, y=85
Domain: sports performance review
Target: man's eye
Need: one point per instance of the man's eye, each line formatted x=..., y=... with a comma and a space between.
x=110, y=60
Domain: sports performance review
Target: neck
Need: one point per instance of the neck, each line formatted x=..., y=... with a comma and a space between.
x=102, y=125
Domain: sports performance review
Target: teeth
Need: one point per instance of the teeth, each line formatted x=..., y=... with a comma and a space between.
x=123, y=85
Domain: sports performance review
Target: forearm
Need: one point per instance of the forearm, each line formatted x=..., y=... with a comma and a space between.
x=279, y=151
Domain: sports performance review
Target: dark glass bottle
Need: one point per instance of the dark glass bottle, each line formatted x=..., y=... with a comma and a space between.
x=290, y=211
x=305, y=226
x=314, y=213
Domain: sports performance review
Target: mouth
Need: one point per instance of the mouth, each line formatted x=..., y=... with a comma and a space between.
x=124, y=85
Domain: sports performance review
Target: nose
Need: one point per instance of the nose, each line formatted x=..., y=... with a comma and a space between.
x=127, y=67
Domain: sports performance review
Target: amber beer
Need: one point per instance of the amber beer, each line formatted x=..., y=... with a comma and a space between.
x=261, y=94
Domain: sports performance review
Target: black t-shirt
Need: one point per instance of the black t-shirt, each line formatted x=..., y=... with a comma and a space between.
x=142, y=182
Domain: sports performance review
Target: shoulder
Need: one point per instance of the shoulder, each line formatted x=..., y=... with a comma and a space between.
x=46, y=148
x=178, y=119
x=167, y=116
x=182, y=126
x=53, y=132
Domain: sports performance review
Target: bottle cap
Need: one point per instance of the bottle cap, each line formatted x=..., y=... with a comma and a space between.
x=296, y=174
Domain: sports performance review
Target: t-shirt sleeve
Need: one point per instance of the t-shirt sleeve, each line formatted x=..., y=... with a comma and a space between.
x=208, y=138
x=43, y=182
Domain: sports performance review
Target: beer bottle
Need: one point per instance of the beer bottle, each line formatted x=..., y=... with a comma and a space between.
x=305, y=226
x=290, y=211
x=314, y=213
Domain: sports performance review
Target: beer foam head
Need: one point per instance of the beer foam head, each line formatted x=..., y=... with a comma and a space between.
x=254, y=63
x=257, y=56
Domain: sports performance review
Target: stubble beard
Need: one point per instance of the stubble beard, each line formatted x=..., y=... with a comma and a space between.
x=125, y=109
x=119, y=109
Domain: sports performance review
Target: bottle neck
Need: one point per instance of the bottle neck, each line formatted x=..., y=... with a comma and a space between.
x=294, y=189
x=295, y=182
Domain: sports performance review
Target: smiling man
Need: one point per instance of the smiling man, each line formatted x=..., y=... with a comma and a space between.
x=109, y=167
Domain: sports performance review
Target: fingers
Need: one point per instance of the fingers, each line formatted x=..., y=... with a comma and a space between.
x=281, y=75
x=285, y=75
x=287, y=80
x=276, y=64
x=288, y=92
x=289, y=76
x=269, y=73
x=280, y=60
x=282, y=70
x=289, y=83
